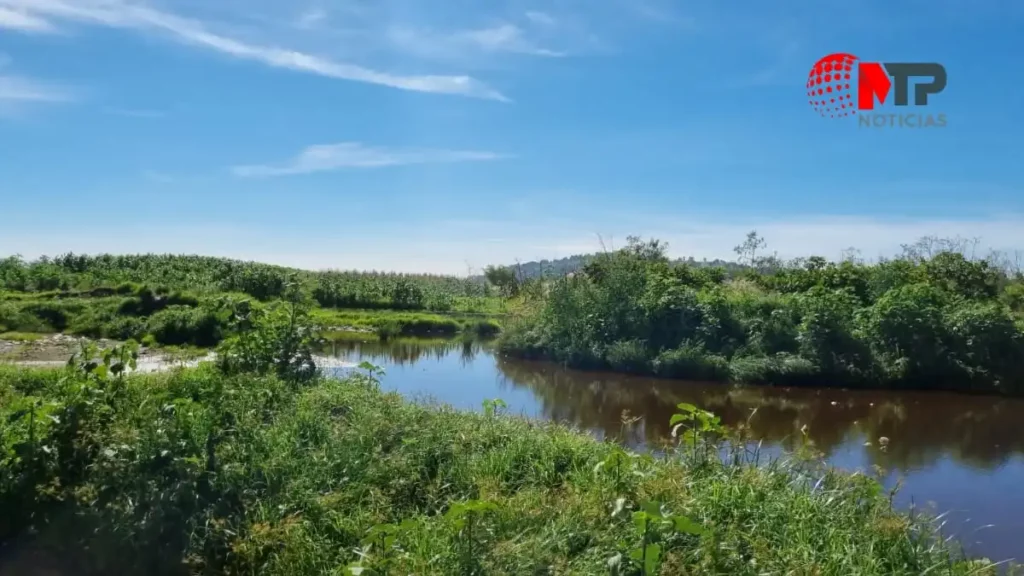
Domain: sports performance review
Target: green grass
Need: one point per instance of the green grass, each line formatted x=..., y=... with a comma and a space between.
x=176, y=319
x=21, y=336
x=391, y=323
x=195, y=472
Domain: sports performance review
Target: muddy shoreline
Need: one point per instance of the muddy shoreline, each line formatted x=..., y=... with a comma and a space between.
x=54, y=351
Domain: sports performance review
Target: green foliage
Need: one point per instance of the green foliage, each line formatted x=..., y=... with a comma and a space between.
x=174, y=300
x=493, y=406
x=938, y=321
x=905, y=328
x=691, y=362
x=278, y=339
x=697, y=430
x=651, y=525
x=178, y=325
x=106, y=275
x=202, y=472
x=961, y=277
x=504, y=278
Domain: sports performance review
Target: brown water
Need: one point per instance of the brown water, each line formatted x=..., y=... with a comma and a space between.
x=963, y=455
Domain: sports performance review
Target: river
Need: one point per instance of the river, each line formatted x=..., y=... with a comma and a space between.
x=950, y=453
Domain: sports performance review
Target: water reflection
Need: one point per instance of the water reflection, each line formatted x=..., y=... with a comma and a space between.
x=964, y=453
x=406, y=351
x=981, y=432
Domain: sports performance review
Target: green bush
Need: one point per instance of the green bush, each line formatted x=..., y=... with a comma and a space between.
x=278, y=339
x=125, y=328
x=177, y=325
x=1013, y=296
x=691, y=363
x=985, y=343
x=825, y=335
x=906, y=328
x=14, y=319
x=780, y=370
x=911, y=322
x=629, y=356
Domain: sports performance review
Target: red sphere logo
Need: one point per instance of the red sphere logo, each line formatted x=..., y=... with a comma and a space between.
x=828, y=85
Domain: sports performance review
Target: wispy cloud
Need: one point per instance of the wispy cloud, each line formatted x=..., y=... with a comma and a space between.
x=781, y=71
x=23, y=21
x=21, y=89
x=195, y=33
x=542, y=18
x=502, y=38
x=660, y=11
x=157, y=176
x=324, y=157
x=310, y=18
x=135, y=112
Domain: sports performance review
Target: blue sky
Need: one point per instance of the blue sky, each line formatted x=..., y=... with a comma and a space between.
x=424, y=135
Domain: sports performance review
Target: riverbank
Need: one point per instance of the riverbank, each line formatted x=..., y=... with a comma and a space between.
x=179, y=320
x=937, y=323
x=192, y=301
x=244, y=474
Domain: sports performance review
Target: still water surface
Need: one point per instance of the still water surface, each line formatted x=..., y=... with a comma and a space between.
x=963, y=455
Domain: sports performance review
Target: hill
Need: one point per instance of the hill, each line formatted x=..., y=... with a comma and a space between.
x=562, y=266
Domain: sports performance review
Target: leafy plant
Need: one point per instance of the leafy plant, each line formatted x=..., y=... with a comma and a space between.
x=698, y=428
x=467, y=519
x=493, y=406
x=279, y=338
x=651, y=524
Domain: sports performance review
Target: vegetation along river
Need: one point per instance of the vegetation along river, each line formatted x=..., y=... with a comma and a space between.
x=953, y=454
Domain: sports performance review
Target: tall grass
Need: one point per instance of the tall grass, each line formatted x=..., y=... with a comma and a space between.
x=199, y=472
x=390, y=324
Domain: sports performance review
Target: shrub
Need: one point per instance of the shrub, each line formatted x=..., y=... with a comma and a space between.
x=780, y=369
x=125, y=328
x=278, y=339
x=691, y=362
x=177, y=325
x=1013, y=296
x=484, y=328
x=628, y=356
x=952, y=272
x=13, y=318
x=986, y=344
x=55, y=314
x=905, y=328
x=825, y=336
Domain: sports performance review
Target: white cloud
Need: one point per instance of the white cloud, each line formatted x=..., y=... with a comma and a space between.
x=23, y=21
x=504, y=38
x=467, y=44
x=542, y=18
x=310, y=18
x=20, y=89
x=192, y=32
x=324, y=157
x=157, y=176
x=135, y=112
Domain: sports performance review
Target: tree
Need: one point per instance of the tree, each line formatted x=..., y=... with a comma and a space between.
x=504, y=277
x=747, y=251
